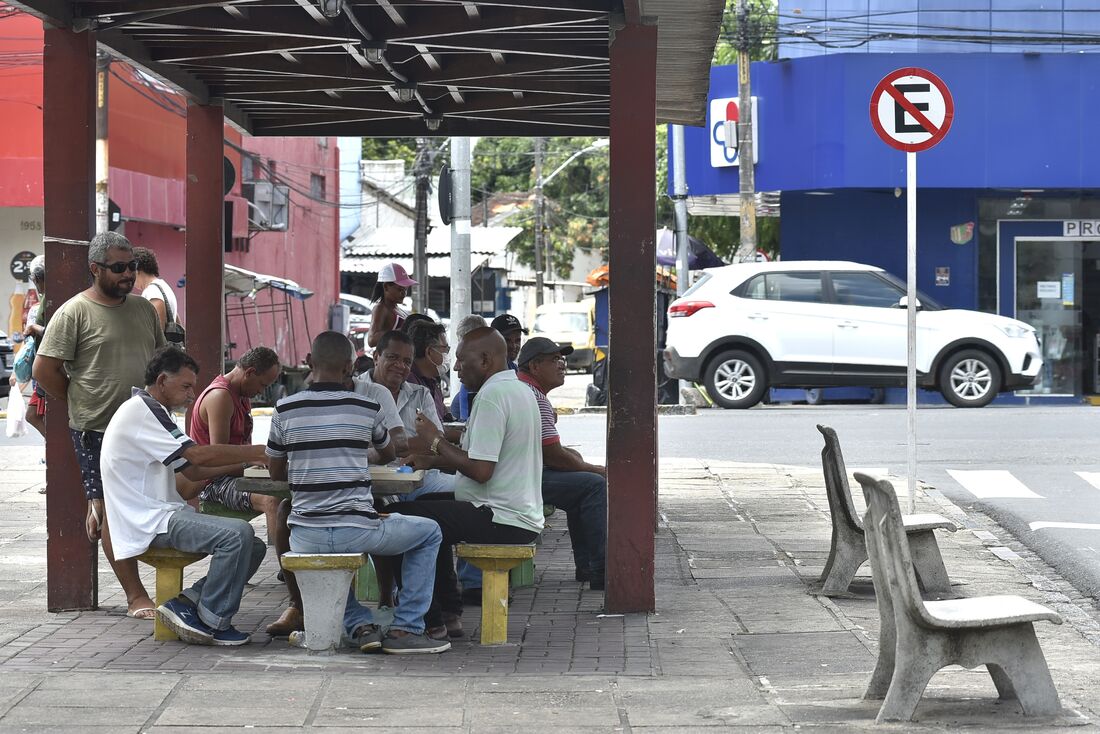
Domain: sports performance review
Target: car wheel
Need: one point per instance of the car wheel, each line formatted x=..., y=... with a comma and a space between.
x=970, y=379
x=736, y=379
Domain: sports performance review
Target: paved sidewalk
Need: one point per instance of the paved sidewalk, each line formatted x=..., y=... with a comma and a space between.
x=737, y=644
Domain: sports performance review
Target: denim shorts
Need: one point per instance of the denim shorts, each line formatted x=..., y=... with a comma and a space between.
x=88, y=445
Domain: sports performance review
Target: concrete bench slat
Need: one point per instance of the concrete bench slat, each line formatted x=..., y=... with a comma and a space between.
x=986, y=611
x=322, y=561
x=927, y=521
x=517, y=552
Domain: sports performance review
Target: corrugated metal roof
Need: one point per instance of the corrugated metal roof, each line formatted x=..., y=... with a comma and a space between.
x=368, y=253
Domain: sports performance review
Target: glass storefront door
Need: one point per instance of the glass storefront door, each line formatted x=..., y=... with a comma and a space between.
x=1049, y=285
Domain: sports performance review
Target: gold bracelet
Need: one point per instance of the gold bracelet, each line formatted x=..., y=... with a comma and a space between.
x=435, y=445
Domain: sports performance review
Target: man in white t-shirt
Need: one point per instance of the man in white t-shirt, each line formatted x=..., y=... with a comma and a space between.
x=143, y=449
x=153, y=288
x=498, y=493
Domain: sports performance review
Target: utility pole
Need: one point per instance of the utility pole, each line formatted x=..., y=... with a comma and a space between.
x=102, y=168
x=460, y=240
x=538, y=223
x=747, y=250
x=422, y=171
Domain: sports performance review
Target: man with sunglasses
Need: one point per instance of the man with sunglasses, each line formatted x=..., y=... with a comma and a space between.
x=93, y=354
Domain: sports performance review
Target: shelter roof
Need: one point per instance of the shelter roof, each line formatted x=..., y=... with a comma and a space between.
x=414, y=67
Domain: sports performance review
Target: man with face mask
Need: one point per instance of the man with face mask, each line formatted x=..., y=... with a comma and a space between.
x=431, y=362
x=94, y=352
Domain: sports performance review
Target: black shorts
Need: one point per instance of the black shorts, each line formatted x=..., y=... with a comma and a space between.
x=88, y=445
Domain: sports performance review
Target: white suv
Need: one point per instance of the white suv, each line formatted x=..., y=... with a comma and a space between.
x=744, y=328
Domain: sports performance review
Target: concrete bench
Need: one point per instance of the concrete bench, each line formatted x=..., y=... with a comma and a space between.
x=918, y=638
x=848, y=548
x=495, y=561
x=324, y=579
x=169, y=564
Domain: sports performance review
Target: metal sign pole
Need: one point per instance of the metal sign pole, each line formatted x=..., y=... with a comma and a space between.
x=911, y=323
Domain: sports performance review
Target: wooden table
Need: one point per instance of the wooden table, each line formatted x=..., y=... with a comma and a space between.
x=384, y=480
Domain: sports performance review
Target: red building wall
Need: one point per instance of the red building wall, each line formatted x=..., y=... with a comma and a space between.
x=147, y=138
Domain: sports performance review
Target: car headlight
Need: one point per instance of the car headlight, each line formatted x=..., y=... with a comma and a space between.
x=1016, y=331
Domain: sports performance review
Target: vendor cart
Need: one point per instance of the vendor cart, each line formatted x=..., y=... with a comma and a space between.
x=250, y=299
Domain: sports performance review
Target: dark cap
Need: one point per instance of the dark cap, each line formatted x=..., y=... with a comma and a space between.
x=507, y=322
x=540, y=346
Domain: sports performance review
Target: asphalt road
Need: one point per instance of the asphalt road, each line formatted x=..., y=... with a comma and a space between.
x=1044, y=463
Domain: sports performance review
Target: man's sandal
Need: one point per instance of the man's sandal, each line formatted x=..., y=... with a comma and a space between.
x=145, y=613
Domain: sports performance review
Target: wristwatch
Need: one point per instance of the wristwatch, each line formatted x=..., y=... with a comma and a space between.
x=435, y=445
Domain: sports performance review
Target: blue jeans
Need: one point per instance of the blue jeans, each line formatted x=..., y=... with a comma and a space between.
x=416, y=538
x=235, y=554
x=583, y=497
x=434, y=481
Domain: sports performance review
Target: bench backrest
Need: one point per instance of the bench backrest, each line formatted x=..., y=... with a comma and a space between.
x=888, y=550
x=836, y=481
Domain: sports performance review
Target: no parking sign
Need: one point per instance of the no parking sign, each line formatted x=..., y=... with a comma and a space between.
x=912, y=110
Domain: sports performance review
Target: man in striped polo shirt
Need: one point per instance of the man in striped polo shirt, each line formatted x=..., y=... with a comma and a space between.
x=319, y=442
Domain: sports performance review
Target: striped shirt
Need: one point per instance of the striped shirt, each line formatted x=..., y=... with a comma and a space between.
x=324, y=433
x=546, y=411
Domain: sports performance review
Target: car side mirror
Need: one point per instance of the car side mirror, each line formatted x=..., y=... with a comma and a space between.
x=903, y=302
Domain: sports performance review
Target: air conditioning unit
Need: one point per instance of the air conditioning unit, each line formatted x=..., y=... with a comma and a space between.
x=268, y=205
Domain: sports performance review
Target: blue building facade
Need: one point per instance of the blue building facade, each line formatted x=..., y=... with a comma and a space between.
x=1008, y=202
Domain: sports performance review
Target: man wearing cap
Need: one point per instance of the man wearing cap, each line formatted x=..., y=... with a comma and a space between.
x=568, y=481
x=512, y=331
x=389, y=293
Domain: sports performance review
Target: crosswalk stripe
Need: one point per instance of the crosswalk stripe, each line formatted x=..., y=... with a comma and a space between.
x=992, y=484
x=1067, y=525
x=1092, y=477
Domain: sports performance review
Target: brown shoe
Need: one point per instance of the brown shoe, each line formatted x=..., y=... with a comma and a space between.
x=437, y=633
x=289, y=621
x=453, y=623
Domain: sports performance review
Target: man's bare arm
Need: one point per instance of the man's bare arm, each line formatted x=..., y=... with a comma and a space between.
x=218, y=457
x=49, y=372
x=276, y=467
x=555, y=456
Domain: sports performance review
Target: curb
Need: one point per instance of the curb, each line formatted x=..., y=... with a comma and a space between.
x=602, y=410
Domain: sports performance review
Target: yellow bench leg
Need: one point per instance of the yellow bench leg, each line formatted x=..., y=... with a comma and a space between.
x=494, y=598
x=169, y=585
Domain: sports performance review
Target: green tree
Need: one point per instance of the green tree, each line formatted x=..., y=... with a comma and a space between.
x=575, y=199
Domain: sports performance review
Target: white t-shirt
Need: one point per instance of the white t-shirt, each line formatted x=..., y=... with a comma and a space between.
x=142, y=450
x=152, y=293
x=379, y=394
x=505, y=427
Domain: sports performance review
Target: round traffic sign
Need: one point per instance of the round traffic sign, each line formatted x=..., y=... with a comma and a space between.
x=911, y=109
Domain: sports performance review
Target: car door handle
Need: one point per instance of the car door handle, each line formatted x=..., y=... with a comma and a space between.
x=847, y=325
x=760, y=316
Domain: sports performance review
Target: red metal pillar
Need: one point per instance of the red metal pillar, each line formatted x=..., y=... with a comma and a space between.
x=205, y=250
x=632, y=378
x=68, y=131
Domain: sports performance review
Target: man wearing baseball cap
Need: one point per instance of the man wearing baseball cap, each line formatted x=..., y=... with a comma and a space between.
x=512, y=331
x=568, y=481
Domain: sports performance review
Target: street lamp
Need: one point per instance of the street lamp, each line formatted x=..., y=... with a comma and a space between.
x=541, y=181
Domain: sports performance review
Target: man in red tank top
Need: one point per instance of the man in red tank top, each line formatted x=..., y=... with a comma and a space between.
x=222, y=414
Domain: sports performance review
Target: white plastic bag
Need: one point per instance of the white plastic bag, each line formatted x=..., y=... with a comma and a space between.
x=17, y=414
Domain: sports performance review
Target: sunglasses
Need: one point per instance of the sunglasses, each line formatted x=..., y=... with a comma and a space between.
x=120, y=268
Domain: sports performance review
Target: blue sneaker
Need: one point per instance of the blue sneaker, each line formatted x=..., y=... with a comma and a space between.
x=230, y=636
x=183, y=619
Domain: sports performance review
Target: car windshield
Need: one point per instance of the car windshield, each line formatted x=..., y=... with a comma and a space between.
x=927, y=303
x=557, y=322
